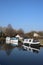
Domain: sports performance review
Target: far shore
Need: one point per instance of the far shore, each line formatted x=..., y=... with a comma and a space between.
x=41, y=40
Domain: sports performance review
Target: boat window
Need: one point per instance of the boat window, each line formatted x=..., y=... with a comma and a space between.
x=35, y=41
x=26, y=39
x=13, y=39
x=26, y=44
x=29, y=40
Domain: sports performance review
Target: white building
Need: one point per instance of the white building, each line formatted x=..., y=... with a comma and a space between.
x=36, y=35
x=19, y=37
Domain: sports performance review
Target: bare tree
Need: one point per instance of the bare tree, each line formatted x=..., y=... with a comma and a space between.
x=20, y=32
x=10, y=31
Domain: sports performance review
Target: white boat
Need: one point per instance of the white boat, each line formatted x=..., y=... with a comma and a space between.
x=14, y=41
x=31, y=41
x=7, y=40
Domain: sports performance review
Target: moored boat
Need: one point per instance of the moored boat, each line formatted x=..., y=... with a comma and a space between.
x=32, y=42
x=12, y=41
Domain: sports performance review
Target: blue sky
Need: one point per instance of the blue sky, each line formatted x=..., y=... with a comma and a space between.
x=25, y=14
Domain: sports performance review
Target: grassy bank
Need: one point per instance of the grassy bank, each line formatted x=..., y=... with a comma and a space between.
x=41, y=42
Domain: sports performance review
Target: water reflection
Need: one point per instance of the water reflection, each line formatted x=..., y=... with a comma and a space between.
x=8, y=48
x=31, y=49
x=20, y=55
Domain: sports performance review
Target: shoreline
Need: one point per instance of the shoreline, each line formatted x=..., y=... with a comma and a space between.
x=41, y=45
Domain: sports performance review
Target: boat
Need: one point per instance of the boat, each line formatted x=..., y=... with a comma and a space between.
x=31, y=42
x=14, y=41
x=7, y=40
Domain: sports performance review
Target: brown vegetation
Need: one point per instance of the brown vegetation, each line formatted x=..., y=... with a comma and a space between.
x=9, y=31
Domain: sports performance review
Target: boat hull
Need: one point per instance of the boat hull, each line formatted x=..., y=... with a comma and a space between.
x=14, y=44
x=35, y=45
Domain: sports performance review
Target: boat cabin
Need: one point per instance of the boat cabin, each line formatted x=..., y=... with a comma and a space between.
x=31, y=41
x=7, y=40
x=12, y=40
x=28, y=41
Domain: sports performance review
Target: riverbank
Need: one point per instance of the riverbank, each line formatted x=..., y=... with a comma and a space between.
x=41, y=42
x=2, y=39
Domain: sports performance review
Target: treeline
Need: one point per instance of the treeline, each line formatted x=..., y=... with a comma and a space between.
x=10, y=31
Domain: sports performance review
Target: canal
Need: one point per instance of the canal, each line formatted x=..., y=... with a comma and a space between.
x=12, y=55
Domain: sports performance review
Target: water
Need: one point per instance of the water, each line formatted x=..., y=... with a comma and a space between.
x=11, y=55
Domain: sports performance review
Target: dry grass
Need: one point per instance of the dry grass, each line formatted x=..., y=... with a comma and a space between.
x=41, y=41
x=2, y=39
